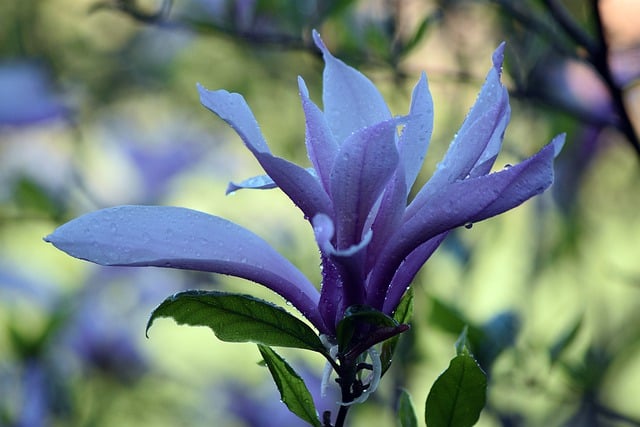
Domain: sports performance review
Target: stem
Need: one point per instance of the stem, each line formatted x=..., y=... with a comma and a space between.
x=342, y=416
x=570, y=26
x=598, y=57
x=600, y=60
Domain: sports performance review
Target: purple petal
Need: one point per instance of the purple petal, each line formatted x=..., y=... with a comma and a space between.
x=182, y=238
x=475, y=199
x=301, y=187
x=347, y=266
x=462, y=202
x=478, y=141
x=331, y=296
x=414, y=141
x=408, y=270
x=412, y=148
x=321, y=145
x=26, y=96
x=260, y=182
x=351, y=101
x=366, y=161
x=388, y=215
x=233, y=109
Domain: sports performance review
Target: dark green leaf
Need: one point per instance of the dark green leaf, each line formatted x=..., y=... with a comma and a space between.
x=458, y=395
x=404, y=312
x=239, y=318
x=31, y=196
x=293, y=391
x=357, y=316
x=402, y=315
x=406, y=413
x=363, y=327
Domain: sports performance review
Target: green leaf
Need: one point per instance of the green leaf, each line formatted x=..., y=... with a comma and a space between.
x=363, y=327
x=406, y=413
x=458, y=395
x=404, y=312
x=239, y=318
x=449, y=319
x=355, y=317
x=293, y=391
x=402, y=315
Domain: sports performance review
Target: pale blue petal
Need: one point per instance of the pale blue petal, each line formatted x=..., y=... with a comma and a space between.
x=182, y=238
x=260, y=182
x=351, y=101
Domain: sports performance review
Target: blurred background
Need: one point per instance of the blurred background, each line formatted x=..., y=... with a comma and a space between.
x=98, y=107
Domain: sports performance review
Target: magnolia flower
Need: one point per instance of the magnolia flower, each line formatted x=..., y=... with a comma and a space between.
x=372, y=238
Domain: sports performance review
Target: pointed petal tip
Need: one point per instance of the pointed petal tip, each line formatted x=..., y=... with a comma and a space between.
x=231, y=188
x=558, y=143
x=302, y=88
x=498, y=57
x=319, y=43
x=202, y=91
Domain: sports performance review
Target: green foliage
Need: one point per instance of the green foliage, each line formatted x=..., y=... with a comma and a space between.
x=363, y=327
x=406, y=412
x=487, y=340
x=293, y=391
x=459, y=394
x=239, y=318
x=402, y=315
x=560, y=345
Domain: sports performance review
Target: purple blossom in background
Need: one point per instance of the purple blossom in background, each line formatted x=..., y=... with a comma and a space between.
x=157, y=156
x=26, y=96
x=372, y=238
x=83, y=335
